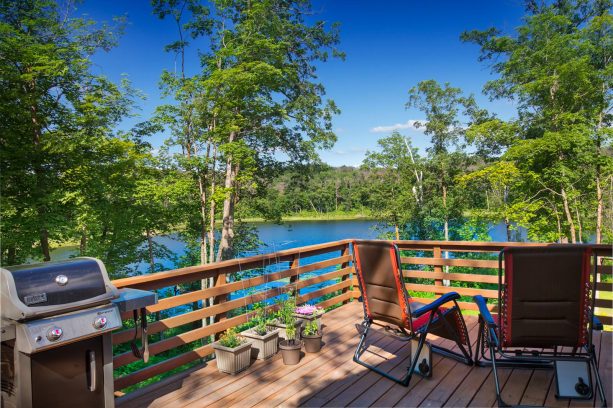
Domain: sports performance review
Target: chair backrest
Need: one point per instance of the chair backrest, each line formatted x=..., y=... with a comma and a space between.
x=380, y=278
x=545, y=296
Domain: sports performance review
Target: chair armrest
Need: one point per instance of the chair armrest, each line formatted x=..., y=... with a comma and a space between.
x=597, y=324
x=484, y=311
x=486, y=315
x=447, y=297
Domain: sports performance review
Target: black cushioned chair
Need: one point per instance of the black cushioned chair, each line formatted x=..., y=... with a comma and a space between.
x=546, y=299
x=386, y=302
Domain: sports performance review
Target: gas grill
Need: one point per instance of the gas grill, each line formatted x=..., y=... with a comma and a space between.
x=56, y=324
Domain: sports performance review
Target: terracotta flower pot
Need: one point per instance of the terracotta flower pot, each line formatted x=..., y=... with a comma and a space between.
x=262, y=347
x=312, y=344
x=290, y=352
x=281, y=327
x=232, y=360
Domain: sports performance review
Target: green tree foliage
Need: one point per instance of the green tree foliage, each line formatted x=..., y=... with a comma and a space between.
x=65, y=175
x=556, y=68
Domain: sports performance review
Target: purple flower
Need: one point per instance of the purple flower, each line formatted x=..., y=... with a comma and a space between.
x=307, y=310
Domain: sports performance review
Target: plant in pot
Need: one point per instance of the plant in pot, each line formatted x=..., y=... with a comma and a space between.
x=285, y=316
x=233, y=352
x=309, y=313
x=264, y=339
x=311, y=336
x=290, y=348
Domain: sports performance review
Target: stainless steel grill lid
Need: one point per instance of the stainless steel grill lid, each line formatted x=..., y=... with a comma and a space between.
x=38, y=290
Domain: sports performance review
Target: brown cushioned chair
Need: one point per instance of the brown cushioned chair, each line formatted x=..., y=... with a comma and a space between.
x=545, y=298
x=386, y=302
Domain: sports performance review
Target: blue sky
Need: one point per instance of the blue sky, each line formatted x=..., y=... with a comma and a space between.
x=390, y=47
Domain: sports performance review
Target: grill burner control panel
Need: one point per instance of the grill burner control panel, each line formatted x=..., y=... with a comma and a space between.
x=46, y=333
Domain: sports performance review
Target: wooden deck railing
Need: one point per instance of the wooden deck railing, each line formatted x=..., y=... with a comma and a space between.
x=425, y=267
x=290, y=274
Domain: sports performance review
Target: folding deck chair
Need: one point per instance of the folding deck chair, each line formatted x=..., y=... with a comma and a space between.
x=546, y=299
x=386, y=302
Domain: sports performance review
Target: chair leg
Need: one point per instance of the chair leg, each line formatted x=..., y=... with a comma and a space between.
x=499, y=399
x=465, y=356
x=594, y=366
x=361, y=349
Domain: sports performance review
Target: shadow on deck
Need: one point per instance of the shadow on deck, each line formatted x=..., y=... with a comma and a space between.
x=331, y=378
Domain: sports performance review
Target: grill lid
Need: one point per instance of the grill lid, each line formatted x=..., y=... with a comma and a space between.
x=37, y=290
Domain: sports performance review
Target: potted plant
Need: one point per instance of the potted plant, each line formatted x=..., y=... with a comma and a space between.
x=311, y=336
x=309, y=313
x=264, y=339
x=233, y=352
x=285, y=316
x=290, y=348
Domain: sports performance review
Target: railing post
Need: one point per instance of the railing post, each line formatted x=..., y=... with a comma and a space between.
x=437, y=253
x=344, y=265
x=294, y=278
x=219, y=280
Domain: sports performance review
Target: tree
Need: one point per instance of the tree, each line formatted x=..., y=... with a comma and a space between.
x=260, y=96
x=397, y=194
x=557, y=69
x=56, y=116
x=443, y=106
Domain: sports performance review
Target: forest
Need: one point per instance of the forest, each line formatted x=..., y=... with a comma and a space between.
x=243, y=134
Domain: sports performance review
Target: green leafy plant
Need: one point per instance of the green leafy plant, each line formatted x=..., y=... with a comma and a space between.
x=231, y=338
x=290, y=330
x=260, y=319
x=311, y=329
x=285, y=313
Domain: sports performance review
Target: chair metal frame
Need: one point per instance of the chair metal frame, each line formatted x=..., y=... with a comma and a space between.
x=420, y=334
x=490, y=336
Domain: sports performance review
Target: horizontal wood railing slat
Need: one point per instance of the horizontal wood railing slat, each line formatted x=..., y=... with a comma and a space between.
x=605, y=269
x=461, y=277
x=471, y=263
x=488, y=293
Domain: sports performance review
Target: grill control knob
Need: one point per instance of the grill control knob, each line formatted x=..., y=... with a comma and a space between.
x=55, y=334
x=100, y=322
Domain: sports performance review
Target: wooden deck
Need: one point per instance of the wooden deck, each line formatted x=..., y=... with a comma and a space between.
x=331, y=378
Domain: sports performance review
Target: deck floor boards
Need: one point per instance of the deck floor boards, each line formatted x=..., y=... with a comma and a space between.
x=331, y=378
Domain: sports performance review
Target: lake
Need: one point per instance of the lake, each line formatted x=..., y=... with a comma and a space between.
x=278, y=237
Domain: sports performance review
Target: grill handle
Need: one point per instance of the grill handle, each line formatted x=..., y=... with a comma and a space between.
x=91, y=356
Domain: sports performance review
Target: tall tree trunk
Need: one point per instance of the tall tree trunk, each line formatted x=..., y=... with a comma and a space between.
x=507, y=225
x=203, y=225
x=212, y=210
x=11, y=255
x=599, y=209
x=150, y=248
x=227, y=230
x=44, y=244
x=569, y=217
x=83, y=242
x=579, y=222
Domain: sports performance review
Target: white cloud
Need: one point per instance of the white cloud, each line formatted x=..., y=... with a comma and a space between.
x=409, y=124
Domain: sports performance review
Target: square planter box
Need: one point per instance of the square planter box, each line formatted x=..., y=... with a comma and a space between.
x=308, y=318
x=262, y=347
x=232, y=360
x=281, y=327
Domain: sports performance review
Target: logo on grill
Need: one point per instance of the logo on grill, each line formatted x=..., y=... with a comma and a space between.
x=61, y=280
x=34, y=299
